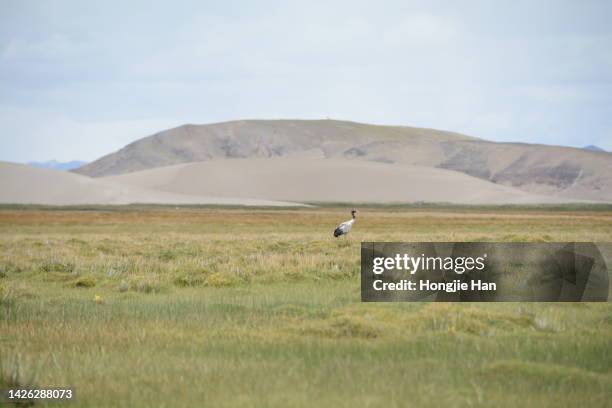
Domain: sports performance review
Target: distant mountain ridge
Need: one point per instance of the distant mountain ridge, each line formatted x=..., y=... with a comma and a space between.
x=541, y=169
x=56, y=165
x=594, y=148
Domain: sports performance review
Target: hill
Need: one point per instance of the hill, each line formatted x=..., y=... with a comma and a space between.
x=269, y=138
x=564, y=172
x=594, y=148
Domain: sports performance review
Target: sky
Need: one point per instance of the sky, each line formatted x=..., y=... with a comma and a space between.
x=79, y=80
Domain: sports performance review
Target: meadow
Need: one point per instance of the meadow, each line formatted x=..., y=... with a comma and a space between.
x=242, y=307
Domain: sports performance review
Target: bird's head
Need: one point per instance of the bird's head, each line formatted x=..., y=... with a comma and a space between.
x=353, y=212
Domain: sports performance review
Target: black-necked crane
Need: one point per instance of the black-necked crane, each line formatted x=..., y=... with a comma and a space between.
x=346, y=226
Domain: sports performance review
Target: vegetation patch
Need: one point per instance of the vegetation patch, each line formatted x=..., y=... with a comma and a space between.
x=11, y=292
x=9, y=268
x=189, y=279
x=53, y=266
x=146, y=284
x=13, y=375
x=220, y=279
x=526, y=374
x=471, y=319
x=84, y=282
x=167, y=255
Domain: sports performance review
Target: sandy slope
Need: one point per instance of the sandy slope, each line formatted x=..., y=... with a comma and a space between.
x=309, y=179
x=21, y=184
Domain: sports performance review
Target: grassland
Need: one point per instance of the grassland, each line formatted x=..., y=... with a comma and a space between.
x=253, y=307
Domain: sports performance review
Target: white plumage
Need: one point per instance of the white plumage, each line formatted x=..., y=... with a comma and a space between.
x=346, y=226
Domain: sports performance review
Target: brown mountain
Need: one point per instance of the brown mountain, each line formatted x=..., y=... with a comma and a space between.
x=552, y=170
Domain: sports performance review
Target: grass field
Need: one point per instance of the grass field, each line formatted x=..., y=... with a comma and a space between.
x=218, y=307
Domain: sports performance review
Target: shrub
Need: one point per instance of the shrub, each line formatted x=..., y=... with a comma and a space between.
x=84, y=282
x=8, y=268
x=219, y=279
x=167, y=255
x=53, y=266
x=146, y=285
x=189, y=280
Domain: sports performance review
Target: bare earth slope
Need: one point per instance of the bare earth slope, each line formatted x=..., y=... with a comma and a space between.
x=267, y=138
x=336, y=180
x=21, y=184
x=560, y=171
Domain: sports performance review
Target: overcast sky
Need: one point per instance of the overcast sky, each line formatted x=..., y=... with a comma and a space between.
x=81, y=79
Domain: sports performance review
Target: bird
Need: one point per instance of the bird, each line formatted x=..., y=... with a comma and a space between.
x=346, y=226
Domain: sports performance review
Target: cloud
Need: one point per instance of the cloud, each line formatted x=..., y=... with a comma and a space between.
x=421, y=30
x=53, y=47
x=94, y=76
x=62, y=138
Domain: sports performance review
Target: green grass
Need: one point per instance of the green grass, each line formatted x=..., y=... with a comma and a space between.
x=243, y=307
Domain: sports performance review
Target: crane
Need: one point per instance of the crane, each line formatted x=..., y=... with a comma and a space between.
x=346, y=226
